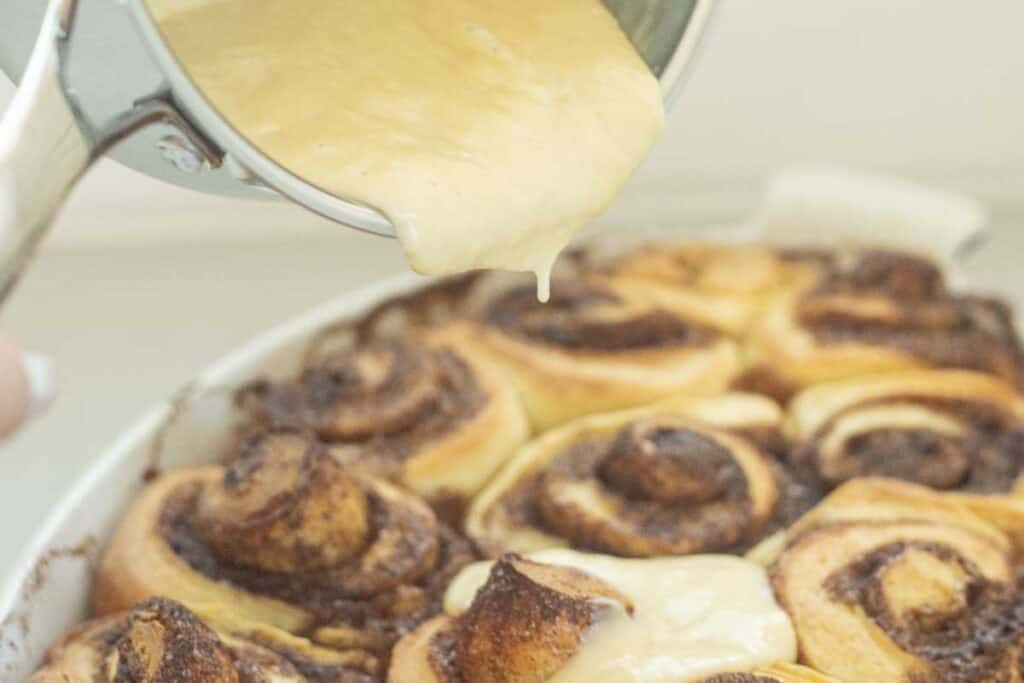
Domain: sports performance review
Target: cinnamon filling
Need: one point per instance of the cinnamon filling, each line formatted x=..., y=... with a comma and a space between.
x=292, y=525
x=587, y=318
x=987, y=458
x=919, y=315
x=161, y=641
x=524, y=624
x=800, y=489
x=669, y=486
x=389, y=613
x=715, y=519
x=667, y=465
x=386, y=397
x=902, y=276
x=763, y=380
x=973, y=633
x=435, y=304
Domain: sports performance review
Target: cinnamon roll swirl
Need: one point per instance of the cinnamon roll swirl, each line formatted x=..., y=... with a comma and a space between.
x=589, y=350
x=878, y=312
x=428, y=412
x=947, y=429
x=288, y=537
x=723, y=286
x=568, y=617
x=681, y=477
x=891, y=582
x=160, y=641
x=779, y=673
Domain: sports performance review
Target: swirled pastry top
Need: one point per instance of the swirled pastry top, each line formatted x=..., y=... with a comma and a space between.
x=487, y=131
x=161, y=641
x=592, y=317
x=425, y=411
x=592, y=349
x=948, y=429
x=725, y=286
x=684, y=476
x=690, y=617
x=779, y=673
x=287, y=536
x=891, y=582
x=902, y=302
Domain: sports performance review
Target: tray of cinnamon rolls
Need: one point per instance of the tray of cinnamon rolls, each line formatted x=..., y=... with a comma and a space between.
x=697, y=463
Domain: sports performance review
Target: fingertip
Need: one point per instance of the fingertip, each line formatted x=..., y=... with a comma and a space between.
x=42, y=385
x=27, y=386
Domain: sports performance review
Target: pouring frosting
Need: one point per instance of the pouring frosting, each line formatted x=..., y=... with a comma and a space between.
x=487, y=131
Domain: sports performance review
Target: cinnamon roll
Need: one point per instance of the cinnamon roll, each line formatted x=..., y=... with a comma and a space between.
x=428, y=412
x=723, y=286
x=589, y=349
x=566, y=617
x=779, y=673
x=681, y=477
x=947, y=429
x=878, y=311
x=160, y=641
x=286, y=536
x=891, y=582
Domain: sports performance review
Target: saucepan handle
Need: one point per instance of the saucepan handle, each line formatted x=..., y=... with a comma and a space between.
x=43, y=152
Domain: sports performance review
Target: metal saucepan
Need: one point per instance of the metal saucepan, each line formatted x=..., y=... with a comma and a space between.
x=100, y=76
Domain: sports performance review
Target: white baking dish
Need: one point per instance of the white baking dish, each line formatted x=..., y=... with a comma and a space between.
x=47, y=593
x=49, y=589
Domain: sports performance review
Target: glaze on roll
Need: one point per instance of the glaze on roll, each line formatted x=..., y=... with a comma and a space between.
x=879, y=311
x=891, y=582
x=160, y=641
x=682, y=477
x=288, y=537
x=427, y=412
x=569, y=617
x=589, y=349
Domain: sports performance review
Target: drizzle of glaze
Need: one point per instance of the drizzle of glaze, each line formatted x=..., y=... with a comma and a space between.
x=487, y=131
x=693, y=616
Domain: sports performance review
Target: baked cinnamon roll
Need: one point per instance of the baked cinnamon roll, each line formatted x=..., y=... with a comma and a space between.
x=891, y=582
x=161, y=641
x=428, y=413
x=723, y=286
x=779, y=673
x=568, y=617
x=877, y=311
x=589, y=350
x=288, y=537
x=947, y=429
x=681, y=477
x=526, y=623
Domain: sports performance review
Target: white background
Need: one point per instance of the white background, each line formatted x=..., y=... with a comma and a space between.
x=144, y=283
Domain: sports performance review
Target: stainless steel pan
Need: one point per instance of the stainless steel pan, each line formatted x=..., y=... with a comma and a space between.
x=100, y=79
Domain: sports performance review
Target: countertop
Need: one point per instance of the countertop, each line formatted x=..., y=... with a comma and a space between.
x=126, y=327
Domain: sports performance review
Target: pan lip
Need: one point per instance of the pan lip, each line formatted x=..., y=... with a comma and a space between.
x=693, y=38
